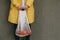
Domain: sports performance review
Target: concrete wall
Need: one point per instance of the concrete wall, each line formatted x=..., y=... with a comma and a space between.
x=46, y=25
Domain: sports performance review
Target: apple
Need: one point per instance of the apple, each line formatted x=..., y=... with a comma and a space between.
x=19, y=32
x=25, y=32
x=29, y=32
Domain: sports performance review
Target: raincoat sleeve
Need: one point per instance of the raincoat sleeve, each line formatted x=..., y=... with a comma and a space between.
x=14, y=2
x=29, y=2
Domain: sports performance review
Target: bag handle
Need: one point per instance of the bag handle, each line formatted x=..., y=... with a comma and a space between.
x=23, y=3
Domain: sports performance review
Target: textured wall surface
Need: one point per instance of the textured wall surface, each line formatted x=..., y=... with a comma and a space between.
x=46, y=25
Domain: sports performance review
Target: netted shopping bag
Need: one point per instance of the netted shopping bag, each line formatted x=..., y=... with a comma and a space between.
x=23, y=28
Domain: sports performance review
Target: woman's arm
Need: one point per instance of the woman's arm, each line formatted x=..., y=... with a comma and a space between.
x=29, y=2
x=14, y=2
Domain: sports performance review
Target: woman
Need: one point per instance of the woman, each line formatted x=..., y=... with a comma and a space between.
x=13, y=14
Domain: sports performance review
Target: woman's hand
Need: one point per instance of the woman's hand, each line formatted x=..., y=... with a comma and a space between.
x=19, y=7
x=23, y=7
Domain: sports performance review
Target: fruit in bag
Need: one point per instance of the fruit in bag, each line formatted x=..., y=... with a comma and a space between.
x=24, y=32
x=29, y=32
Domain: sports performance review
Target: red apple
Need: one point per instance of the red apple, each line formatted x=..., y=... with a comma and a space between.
x=29, y=32
x=19, y=32
x=24, y=32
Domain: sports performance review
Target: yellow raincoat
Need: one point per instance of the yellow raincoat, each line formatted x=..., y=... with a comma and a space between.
x=13, y=14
